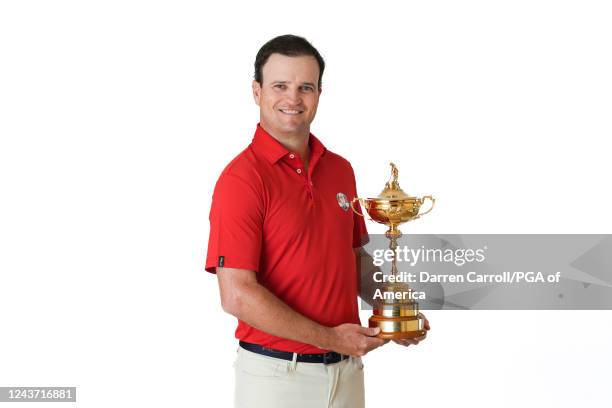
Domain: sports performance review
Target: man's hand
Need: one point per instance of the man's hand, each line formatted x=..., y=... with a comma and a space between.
x=354, y=340
x=416, y=340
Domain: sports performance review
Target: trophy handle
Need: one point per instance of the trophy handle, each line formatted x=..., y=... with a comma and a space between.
x=361, y=201
x=433, y=202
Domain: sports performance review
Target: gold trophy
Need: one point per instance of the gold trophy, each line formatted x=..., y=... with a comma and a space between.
x=397, y=319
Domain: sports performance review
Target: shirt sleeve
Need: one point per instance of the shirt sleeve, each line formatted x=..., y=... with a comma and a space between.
x=360, y=232
x=236, y=224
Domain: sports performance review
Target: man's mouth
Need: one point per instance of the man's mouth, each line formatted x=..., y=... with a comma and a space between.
x=291, y=111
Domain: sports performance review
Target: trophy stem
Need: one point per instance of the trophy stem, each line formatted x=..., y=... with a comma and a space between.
x=393, y=232
x=393, y=246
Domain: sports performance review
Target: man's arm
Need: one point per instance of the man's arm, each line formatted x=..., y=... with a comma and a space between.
x=243, y=297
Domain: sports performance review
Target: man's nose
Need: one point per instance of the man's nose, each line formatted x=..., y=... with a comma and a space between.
x=294, y=96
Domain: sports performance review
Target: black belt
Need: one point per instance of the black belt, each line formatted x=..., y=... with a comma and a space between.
x=330, y=357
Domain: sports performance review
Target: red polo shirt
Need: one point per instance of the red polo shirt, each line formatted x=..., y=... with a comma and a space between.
x=293, y=228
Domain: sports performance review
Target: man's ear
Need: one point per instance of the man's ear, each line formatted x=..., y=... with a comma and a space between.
x=256, y=91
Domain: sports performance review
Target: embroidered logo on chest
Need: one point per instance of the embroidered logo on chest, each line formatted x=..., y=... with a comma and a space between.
x=342, y=201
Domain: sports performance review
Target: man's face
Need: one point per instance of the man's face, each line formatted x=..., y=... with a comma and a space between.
x=289, y=94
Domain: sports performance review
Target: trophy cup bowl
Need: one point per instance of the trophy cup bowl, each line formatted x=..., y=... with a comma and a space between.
x=397, y=319
x=393, y=211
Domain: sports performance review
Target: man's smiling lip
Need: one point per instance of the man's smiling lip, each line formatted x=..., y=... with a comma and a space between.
x=291, y=111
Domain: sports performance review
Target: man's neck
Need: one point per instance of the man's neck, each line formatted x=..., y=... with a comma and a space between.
x=294, y=142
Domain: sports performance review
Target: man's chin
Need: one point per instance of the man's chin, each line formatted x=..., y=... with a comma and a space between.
x=293, y=127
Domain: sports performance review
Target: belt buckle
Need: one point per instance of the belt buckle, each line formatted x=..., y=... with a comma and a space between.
x=328, y=358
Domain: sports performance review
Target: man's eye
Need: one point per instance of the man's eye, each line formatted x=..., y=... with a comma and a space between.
x=279, y=86
x=307, y=88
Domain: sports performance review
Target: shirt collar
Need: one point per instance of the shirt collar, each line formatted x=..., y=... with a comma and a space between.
x=273, y=151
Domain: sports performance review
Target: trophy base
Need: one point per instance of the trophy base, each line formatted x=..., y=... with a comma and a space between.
x=401, y=335
x=401, y=321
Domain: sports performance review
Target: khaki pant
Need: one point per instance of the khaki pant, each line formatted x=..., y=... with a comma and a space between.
x=268, y=382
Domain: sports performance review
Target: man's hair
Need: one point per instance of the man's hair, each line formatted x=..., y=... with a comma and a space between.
x=290, y=46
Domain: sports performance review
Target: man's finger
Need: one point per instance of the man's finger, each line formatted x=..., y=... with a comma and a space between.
x=374, y=342
x=426, y=323
x=406, y=342
x=370, y=331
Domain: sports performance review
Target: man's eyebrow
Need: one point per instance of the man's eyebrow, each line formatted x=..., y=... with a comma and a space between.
x=288, y=82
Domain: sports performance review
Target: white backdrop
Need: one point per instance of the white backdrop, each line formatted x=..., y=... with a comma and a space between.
x=117, y=117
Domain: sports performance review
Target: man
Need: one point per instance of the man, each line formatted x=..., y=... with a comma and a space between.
x=282, y=242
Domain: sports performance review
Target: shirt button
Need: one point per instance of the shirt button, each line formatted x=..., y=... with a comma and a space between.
x=292, y=156
x=299, y=171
